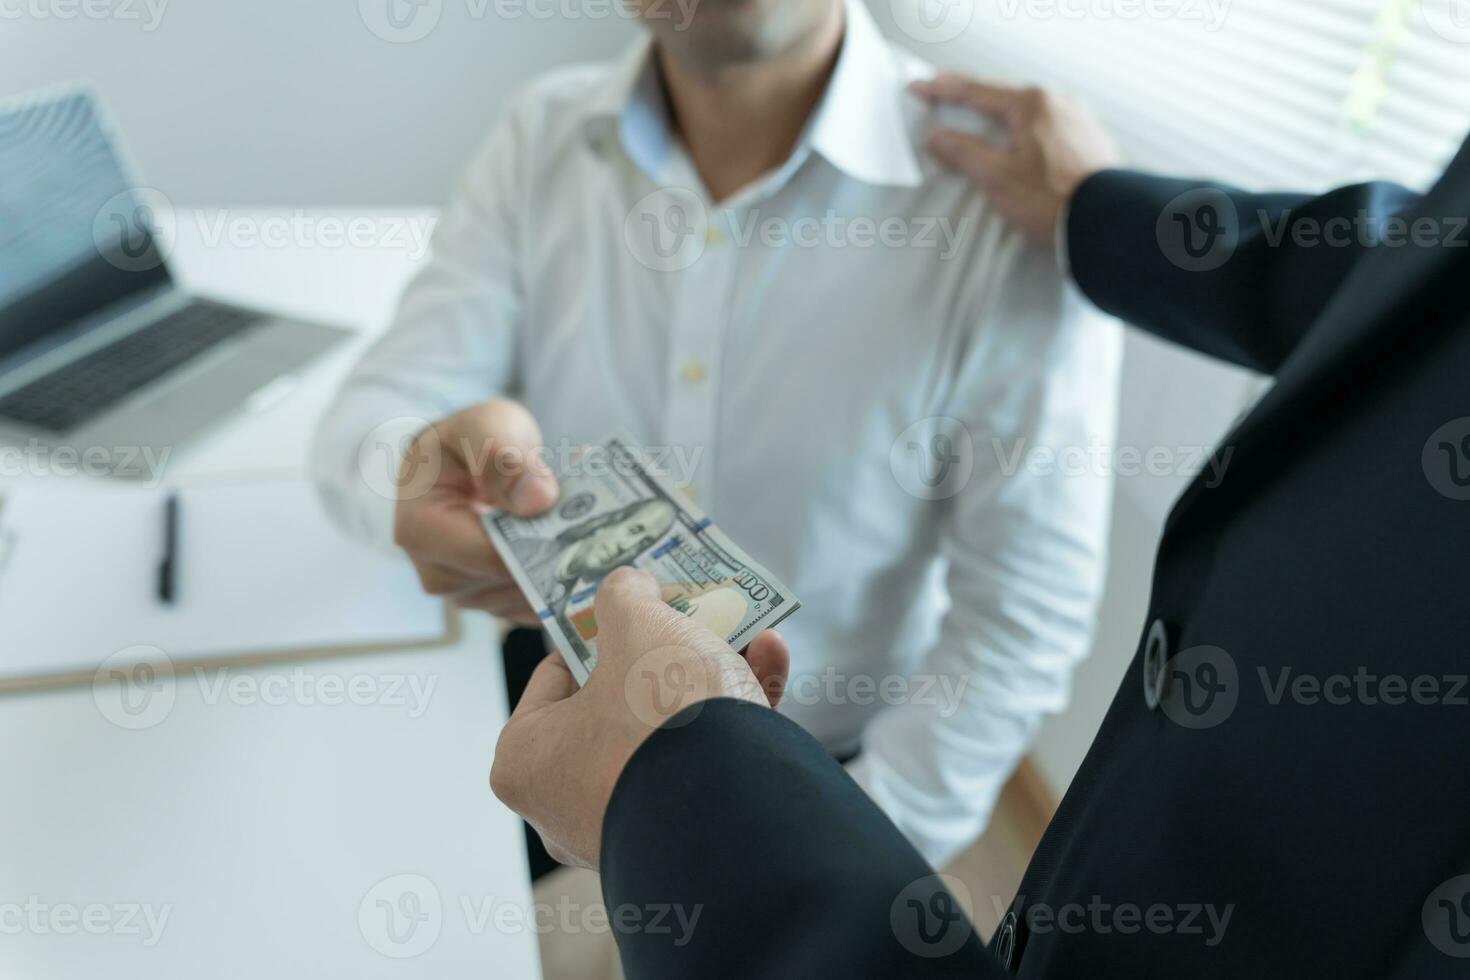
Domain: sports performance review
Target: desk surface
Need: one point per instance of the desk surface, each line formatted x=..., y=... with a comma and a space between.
x=324, y=818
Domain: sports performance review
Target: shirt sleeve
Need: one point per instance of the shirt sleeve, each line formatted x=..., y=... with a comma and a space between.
x=452, y=343
x=1025, y=540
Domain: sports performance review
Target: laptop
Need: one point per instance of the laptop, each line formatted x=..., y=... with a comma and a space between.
x=101, y=350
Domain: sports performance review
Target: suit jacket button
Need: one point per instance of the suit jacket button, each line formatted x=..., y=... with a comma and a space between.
x=1005, y=942
x=1155, y=655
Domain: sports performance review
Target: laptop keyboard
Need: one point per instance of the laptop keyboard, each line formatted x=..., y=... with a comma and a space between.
x=78, y=392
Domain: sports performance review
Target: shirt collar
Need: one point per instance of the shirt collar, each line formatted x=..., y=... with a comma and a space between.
x=631, y=104
x=859, y=125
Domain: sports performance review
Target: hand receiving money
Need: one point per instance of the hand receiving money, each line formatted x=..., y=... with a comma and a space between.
x=617, y=511
x=440, y=528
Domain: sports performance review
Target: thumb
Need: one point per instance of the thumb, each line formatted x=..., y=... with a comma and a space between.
x=633, y=619
x=691, y=661
x=628, y=601
x=499, y=445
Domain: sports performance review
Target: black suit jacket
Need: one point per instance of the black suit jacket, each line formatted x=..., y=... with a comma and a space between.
x=1281, y=787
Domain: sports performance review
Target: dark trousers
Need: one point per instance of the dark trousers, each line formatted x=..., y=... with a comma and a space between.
x=523, y=650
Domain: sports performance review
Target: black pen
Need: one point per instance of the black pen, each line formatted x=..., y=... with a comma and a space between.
x=168, y=568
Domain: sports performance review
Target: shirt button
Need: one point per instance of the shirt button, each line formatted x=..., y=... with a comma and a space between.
x=712, y=236
x=692, y=493
x=1005, y=942
x=1155, y=656
x=694, y=372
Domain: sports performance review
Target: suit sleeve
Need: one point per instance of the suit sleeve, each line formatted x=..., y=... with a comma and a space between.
x=1245, y=286
x=767, y=860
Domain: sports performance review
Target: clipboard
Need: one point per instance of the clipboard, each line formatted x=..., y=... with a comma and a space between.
x=264, y=578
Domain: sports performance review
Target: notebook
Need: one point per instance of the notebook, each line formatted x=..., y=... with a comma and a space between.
x=262, y=575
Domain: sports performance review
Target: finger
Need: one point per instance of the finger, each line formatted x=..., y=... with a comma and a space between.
x=550, y=683
x=770, y=660
x=499, y=445
x=625, y=589
x=970, y=155
x=987, y=98
x=519, y=616
x=451, y=537
x=505, y=601
x=476, y=592
x=629, y=604
x=628, y=599
x=438, y=580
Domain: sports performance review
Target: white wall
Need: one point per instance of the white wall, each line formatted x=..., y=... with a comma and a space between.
x=298, y=101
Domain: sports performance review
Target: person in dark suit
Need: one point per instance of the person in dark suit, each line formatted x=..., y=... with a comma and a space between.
x=1279, y=788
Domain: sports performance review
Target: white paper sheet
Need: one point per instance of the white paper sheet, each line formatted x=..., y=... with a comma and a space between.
x=261, y=570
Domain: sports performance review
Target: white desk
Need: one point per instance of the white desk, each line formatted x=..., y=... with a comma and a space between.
x=264, y=830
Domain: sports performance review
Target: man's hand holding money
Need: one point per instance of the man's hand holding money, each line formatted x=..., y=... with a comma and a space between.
x=565, y=746
x=562, y=751
x=486, y=456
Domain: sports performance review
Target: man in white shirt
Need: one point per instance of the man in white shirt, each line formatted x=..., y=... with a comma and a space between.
x=730, y=244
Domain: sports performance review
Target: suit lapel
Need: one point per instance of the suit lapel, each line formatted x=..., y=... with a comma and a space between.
x=1358, y=321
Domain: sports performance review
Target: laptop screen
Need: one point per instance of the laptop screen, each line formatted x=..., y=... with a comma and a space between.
x=75, y=235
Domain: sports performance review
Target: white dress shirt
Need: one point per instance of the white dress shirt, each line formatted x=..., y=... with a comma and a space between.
x=859, y=369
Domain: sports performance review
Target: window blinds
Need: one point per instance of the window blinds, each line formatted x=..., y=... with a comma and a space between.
x=1266, y=93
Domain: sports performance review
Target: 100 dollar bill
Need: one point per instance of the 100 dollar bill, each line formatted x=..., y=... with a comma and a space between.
x=627, y=514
